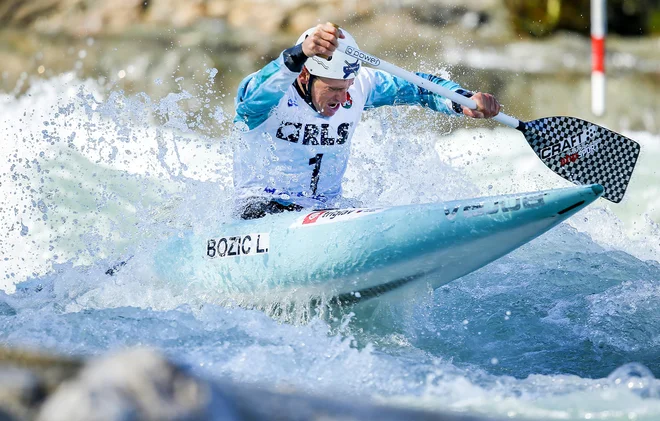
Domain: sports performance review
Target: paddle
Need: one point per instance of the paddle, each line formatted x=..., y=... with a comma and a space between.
x=579, y=151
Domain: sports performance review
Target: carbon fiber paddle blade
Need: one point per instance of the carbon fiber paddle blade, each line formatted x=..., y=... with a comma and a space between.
x=584, y=153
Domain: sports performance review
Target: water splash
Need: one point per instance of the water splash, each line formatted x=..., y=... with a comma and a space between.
x=543, y=333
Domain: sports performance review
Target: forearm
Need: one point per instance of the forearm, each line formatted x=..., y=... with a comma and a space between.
x=392, y=90
x=260, y=92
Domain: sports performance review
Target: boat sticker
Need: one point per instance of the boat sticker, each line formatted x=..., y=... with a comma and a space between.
x=504, y=205
x=238, y=245
x=335, y=215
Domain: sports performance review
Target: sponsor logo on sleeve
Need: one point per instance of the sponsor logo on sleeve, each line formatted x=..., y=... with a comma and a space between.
x=238, y=245
x=349, y=101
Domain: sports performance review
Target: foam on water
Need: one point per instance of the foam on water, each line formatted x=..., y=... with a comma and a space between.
x=86, y=173
x=501, y=161
x=562, y=328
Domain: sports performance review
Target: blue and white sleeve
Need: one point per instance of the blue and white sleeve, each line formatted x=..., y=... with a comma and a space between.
x=260, y=92
x=386, y=89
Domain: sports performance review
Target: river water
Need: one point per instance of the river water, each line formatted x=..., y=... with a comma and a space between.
x=564, y=328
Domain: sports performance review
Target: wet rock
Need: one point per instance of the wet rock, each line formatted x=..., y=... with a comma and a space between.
x=26, y=379
x=174, y=12
x=133, y=385
x=141, y=384
x=20, y=392
x=270, y=20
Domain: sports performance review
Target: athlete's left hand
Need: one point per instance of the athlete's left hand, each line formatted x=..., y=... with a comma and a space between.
x=487, y=106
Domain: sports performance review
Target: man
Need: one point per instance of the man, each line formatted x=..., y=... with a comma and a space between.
x=296, y=117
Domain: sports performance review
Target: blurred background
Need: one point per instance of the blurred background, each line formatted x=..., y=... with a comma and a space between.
x=535, y=55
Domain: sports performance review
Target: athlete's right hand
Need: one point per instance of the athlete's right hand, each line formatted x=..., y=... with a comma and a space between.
x=323, y=41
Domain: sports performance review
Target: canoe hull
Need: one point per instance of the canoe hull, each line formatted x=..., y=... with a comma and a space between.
x=363, y=253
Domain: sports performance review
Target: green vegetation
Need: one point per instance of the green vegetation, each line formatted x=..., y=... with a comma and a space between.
x=543, y=17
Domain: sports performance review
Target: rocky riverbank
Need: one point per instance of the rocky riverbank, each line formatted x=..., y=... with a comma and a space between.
x=163, y=46
x=141, y=384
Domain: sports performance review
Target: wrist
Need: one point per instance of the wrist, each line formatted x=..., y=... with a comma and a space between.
x=294, y=58
x=458, y=108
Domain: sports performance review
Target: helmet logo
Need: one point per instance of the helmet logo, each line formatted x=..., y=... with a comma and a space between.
x=325, y=66
x=351, y=68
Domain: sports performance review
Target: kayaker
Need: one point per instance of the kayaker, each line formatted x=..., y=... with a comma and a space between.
x=296, y=116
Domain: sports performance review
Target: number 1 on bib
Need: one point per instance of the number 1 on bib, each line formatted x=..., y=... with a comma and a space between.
x=316, y=161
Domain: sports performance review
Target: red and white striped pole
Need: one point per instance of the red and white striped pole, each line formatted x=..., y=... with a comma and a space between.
x=598, y=32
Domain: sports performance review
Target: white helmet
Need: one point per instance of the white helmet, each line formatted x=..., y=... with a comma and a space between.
x=339, y=66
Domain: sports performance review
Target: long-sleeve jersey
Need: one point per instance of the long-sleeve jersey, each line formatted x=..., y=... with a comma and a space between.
x=288, y=152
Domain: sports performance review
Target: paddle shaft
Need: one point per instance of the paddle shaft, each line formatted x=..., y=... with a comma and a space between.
x=424, y=83
x=577, y=150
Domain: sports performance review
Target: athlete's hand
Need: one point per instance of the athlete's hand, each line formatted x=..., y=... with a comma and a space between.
x=487, y=106
x=323, y=41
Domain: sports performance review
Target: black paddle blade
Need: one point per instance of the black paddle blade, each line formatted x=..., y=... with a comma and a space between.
x=584, y=153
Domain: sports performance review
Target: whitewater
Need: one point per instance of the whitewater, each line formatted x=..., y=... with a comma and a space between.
x=564, y=328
